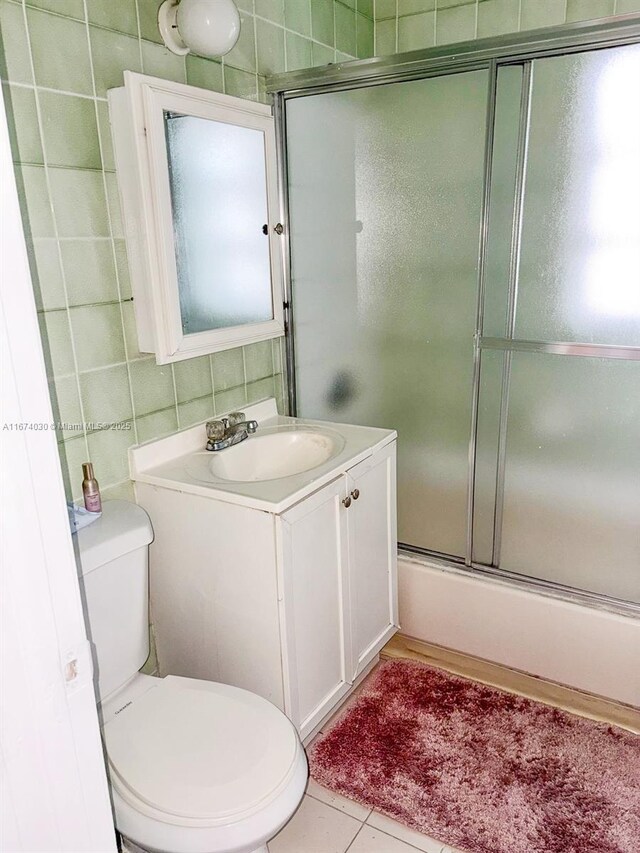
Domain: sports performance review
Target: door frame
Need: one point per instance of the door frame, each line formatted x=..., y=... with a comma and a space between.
x=53, y=790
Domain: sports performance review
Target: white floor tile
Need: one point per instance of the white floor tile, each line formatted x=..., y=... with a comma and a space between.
x=316, y=828
x=371, y=840
x=345, y=805
x=403, y=833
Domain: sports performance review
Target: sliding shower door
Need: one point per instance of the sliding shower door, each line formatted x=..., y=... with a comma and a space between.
x=557, y=486
x=485, y=302
x=385, y=196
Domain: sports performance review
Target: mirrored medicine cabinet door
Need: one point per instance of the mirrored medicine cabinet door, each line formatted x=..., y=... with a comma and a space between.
x=197, y=178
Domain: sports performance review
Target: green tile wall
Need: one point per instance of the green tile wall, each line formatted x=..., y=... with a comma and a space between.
x=414, y=24
x=59, y=58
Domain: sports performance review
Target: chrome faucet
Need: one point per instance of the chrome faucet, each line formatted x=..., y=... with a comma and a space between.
x=229, y=431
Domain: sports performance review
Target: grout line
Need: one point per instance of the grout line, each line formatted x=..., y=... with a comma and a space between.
x=244, y=371
x=54, y=218
x=284, y=41
x=110, y=221
x=65, y=239
x=119, y=483
x=342, y=811
x=85, y=305
x=375, y=30
x=104, y=367
x=213, y=384
x=26, y=5
x=443, y=847
x=255, y=48
x=20, y=85
x=289, y=30
x=397, y=25
x=64, y=166
x=172, y=365
x=223, y=66
x=352, y=842
x=140, y=37
x=310, y=19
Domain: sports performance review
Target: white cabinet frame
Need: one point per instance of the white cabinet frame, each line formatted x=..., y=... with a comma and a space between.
x=359, y=570
x=293, y=563
x=364, y=529
x=137, y=117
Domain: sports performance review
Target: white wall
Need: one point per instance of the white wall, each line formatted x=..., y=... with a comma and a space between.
x=53, y=787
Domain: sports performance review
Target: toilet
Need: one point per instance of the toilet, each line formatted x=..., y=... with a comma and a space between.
x=194, y=766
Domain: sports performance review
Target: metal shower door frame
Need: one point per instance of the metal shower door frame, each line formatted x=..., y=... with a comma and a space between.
x=490, y=55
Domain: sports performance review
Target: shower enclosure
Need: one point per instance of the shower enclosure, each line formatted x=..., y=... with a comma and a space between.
x=464, y=266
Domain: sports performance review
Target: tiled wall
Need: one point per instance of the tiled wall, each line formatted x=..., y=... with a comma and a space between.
x=60, y=57
x=413, y=24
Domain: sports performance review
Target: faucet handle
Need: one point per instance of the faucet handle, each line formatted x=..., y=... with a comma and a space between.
x=215, y=430
x=235, y=418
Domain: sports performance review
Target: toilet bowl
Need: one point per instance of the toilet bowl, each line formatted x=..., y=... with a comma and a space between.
x=194, y=766
x=200, y=767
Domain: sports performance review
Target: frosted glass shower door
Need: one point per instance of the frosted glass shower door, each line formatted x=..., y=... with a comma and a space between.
x=385, y=190
x=557, y=490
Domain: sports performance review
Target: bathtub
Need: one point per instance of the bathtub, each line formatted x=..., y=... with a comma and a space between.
x=593, y=650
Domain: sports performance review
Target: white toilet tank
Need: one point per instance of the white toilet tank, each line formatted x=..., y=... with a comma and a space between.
x=113, y=566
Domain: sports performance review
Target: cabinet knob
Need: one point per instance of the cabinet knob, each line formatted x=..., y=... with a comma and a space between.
x=346, y=502
x=279, y=228
x=355, y=494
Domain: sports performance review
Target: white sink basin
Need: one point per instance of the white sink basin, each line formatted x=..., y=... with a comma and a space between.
x=270, y=454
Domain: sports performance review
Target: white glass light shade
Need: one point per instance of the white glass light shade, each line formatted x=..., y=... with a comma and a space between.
x=206, y=27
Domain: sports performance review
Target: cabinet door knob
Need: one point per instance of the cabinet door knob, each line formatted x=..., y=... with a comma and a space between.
x=346, y=502
x=279, y=228
x=355, y=494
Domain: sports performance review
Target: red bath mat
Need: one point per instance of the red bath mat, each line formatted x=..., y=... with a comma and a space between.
x=483, y=770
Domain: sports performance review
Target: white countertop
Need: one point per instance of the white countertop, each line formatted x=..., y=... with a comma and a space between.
x=164, y=462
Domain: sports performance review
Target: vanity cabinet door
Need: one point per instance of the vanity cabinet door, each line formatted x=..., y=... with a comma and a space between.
x=373, y=546
x=315, y=608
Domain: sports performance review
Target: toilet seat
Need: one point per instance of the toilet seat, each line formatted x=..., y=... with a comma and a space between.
x=198, y=753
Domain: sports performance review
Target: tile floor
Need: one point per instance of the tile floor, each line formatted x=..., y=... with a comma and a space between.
x=329, y=823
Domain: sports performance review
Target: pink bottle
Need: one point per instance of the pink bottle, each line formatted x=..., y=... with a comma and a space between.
x=90, y=489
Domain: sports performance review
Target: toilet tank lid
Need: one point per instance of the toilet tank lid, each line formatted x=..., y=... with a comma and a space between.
x=122, y=528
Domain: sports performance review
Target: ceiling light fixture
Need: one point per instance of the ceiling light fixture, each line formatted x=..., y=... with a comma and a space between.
x=206, y=27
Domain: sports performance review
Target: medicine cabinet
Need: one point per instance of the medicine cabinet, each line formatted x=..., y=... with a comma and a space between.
x=197, y=176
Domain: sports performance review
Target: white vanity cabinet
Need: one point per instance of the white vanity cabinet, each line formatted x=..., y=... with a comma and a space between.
x=338, y=567
x=292, y=602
